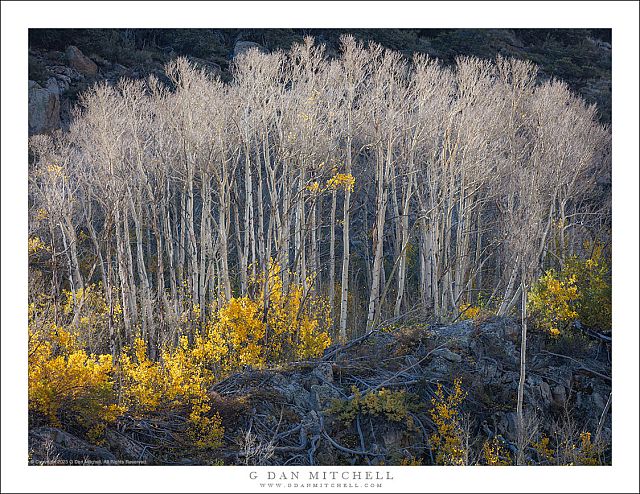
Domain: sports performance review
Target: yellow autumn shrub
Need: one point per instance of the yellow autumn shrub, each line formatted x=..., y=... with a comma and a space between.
x=495, y=454
x=551, y=302
x=141, y=379
x=174, y=380
x=543, y=449
x=587, y=451
x=237, y=334
x=447, y=441
x=569, y=450
x=178, y=380
x=593, y=279
x=468, y=311
x=580, y=290
x=63, y=378
x=289, y=326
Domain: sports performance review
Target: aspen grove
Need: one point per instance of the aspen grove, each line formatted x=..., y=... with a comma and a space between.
x=371, y=187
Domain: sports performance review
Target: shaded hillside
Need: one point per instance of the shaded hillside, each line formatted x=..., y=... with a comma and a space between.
x=580, y=57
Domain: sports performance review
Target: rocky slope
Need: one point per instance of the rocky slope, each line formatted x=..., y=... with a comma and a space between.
x=299, y=414
x=62, y=63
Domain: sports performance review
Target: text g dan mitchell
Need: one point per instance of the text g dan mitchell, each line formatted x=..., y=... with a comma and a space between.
x=328, y=475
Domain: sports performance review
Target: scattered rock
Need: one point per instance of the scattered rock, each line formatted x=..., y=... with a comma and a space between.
x=323, y=395
x=48, y=445
x=447, y=355
x=56, y=56
x=44, y=107
x=324, y=372
x=487, y=367
x=507, y=424
x=242, y=46
x=100, y=61
x=545, y=392
x=559, y=394
x=598, y=401
x=81, y=62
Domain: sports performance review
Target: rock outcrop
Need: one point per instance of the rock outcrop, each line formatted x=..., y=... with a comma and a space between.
x=80, y=62
x=51, y=446
x=290, y=414
x=44, y=107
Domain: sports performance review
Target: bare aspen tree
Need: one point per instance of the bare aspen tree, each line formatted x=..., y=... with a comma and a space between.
x=352, y=69
x=386, y=89
x=520, y=459
x=174, y=197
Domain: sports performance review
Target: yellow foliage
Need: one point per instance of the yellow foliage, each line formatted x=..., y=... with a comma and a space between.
x=248, y=331
x=55, y=170
x=447, y=441
x=495, y=454
x=550, y=302
x=41, y=214
x=593, y=279
x=206, y=432
x=173, y=381
x=411, y=462
x=63, y=377
x=582, y=290
x=543, y=449
x=238, y=334
x=468, y=311
x=342, y=181
x=588, y=452
x=36, y=245
x=142, y=379
x=573, y=451
x=179, y=379
x=395, y=405
x=313, y=187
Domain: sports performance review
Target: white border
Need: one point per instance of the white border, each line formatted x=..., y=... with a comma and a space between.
x=17, y=17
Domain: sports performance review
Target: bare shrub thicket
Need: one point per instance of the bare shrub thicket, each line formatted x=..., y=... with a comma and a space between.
x=386, y=185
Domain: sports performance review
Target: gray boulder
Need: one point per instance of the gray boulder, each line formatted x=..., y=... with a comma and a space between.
x=322, y=396
x=81, y=62
x=324, y=372
x=242, y=46
x=51, y=446
x=447, y=354
x=44, y=107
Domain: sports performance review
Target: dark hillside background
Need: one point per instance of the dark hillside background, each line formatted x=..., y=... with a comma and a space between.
x=580, y=57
